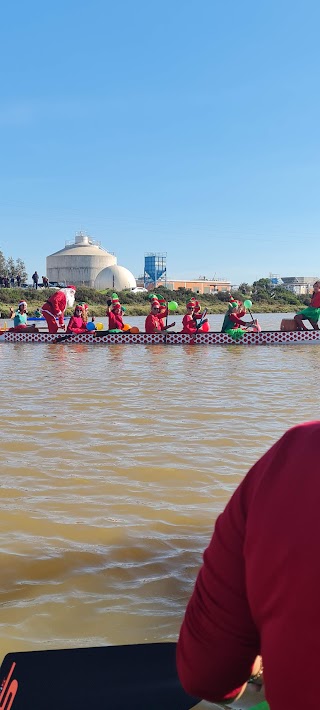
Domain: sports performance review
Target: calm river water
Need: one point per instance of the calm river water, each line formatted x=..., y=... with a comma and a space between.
x=115, y=462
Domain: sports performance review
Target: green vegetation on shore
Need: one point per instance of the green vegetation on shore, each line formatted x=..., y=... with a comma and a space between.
x=265, y=299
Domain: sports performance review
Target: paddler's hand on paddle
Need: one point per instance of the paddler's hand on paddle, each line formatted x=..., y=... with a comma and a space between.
x=257, y=670
x=169, y=326
x=198, y=325
x=252, y=692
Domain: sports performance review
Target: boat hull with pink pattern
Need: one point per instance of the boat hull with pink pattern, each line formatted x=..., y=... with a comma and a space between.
x=272, y=337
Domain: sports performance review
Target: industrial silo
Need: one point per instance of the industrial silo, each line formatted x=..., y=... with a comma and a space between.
x=79, y=262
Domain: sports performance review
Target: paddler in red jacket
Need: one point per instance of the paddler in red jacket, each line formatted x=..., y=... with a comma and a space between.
x=163, y=312
x=114, y=313
x=197, y=307
x=188, y=320
x=154, y=321
x=76, y=323
x=56, y=305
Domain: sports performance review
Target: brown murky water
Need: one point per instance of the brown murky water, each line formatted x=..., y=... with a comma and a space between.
x=115, y=462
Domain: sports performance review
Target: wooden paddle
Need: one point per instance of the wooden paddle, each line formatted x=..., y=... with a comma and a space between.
x=137, y=677
x=248, y=309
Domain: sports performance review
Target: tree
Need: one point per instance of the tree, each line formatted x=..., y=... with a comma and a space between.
x=263, y=285
x=223, y=296
x=10, y=266
x=3, y=265
x=237, y=294
x=245, y=288
x=261, y=290
x=20, y=268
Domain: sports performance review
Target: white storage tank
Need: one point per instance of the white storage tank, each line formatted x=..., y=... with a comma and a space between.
x=115, y=277
x=79, y=262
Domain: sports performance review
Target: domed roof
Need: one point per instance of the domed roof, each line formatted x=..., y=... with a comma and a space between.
x=116, y=277
x=83, y=250
x=84, y=246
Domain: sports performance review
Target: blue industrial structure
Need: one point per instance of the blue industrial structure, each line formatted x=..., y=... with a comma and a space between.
x=275, y=280
x=155, y=266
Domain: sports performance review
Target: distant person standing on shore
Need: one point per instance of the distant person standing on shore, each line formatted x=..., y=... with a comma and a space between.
x=45, y=282
x=35, y=279
x=19, y=279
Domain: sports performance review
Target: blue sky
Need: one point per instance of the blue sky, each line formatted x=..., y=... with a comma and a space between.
x=190, y=127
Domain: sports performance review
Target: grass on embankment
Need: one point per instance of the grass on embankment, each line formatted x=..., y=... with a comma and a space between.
x=135, y=304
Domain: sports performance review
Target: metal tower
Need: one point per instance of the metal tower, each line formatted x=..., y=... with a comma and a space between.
x=155, y=265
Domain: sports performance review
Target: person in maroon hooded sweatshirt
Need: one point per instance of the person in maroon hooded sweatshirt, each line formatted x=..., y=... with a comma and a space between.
x=258, y=590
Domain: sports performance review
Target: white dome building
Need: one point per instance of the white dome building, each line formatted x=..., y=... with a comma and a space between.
x=80, y=262
x=115, y=277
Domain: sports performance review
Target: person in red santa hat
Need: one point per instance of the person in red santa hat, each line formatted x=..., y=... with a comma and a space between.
x=188, y=320
x=152, y=323
x=114, y=313
x=85, y=312
x=197, y=307
x=56, y=305
x=161, y=312
x=76, y=323
x=191, y=320
x=234, y=303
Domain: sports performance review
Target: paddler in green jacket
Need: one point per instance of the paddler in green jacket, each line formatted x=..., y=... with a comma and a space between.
x=232, y=323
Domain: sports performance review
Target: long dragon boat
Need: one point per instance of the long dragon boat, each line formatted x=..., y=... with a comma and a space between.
x=267, y=337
